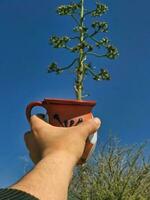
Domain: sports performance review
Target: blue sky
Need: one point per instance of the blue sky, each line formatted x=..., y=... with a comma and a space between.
x=122, y=104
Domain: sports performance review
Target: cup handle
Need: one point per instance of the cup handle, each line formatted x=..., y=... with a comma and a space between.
x=30, y=107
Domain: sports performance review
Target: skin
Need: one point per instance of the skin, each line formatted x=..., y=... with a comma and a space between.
x=55, y=152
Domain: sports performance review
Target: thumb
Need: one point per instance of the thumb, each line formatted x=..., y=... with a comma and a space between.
x=89, y=127
x=36, y=122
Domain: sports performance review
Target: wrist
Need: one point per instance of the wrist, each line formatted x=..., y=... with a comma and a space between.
x=60, y=156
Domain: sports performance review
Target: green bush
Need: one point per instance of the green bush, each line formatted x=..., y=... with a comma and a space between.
x=115, y=173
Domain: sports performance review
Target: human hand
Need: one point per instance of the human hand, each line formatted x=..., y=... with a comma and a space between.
x=45, y=139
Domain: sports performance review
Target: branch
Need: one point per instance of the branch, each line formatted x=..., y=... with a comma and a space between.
x=76, y=37
x=91, y=35
x=68, y=48
x=96, y=54
x=75, y=19
x=69, y=66
x=90, y=70
x=95, y=32
x=133, y=163
x=53, y=67
x=88, y=13
x=92, y=38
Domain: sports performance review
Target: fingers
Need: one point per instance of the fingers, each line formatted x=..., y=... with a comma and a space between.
x=28, y=138
x=32, y=147
x=89, y=127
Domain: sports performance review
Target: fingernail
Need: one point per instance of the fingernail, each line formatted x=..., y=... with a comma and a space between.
x=98, y=121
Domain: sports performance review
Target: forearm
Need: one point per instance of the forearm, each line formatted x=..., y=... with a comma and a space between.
x=61, y=149
x=50, y=178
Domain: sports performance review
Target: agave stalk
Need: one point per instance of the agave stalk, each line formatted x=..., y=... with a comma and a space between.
x=82, y=57
x=84, y=49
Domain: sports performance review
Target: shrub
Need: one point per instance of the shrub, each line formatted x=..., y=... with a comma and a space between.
x=115, y=173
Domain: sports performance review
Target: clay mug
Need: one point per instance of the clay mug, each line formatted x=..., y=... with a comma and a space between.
x=67, y=113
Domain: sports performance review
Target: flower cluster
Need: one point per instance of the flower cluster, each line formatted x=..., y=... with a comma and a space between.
x=58, y=42
x=83, y=45
x=100, y=10
x=103, y=42
x=102, y=75
x=67, y=9
x=112, y=52
x=54, y=68
x=100, y=26
x=80, y=28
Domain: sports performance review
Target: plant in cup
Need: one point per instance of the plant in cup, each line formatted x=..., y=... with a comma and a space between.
x=85, y=42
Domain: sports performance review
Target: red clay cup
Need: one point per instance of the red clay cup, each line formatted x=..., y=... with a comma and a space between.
x=67, y=113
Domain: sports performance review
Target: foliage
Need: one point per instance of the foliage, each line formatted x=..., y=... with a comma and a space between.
x=85, y=42
x=119, y=173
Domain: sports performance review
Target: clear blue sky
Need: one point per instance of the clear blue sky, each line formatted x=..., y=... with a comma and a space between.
x=123, y=104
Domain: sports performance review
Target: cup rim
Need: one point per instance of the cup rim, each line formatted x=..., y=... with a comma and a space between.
x=69, y=101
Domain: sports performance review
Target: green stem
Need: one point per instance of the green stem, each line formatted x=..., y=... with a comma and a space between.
x=96, y=54
x=80, y=68
x=75, y=19
x=91, y=71
x=69, y=66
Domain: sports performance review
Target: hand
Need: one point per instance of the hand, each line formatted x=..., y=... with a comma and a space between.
x=55, y=150
x=45, y=139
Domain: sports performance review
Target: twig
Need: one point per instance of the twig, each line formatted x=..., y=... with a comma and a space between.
x=96, y=54
x=69, y=66
x=75, y=19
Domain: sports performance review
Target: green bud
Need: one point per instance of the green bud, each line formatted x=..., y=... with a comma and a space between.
x=67, y=9
x=75, y=49
x=76, y=29
x=84, y=29
x=112, y=52
x=100, y=10
x=80, y=28
x=100, y=26
x=90, y=48
x=103, y=42
x=97, y=78
x=104, y=74
x=58, y=42
x=54, y=68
